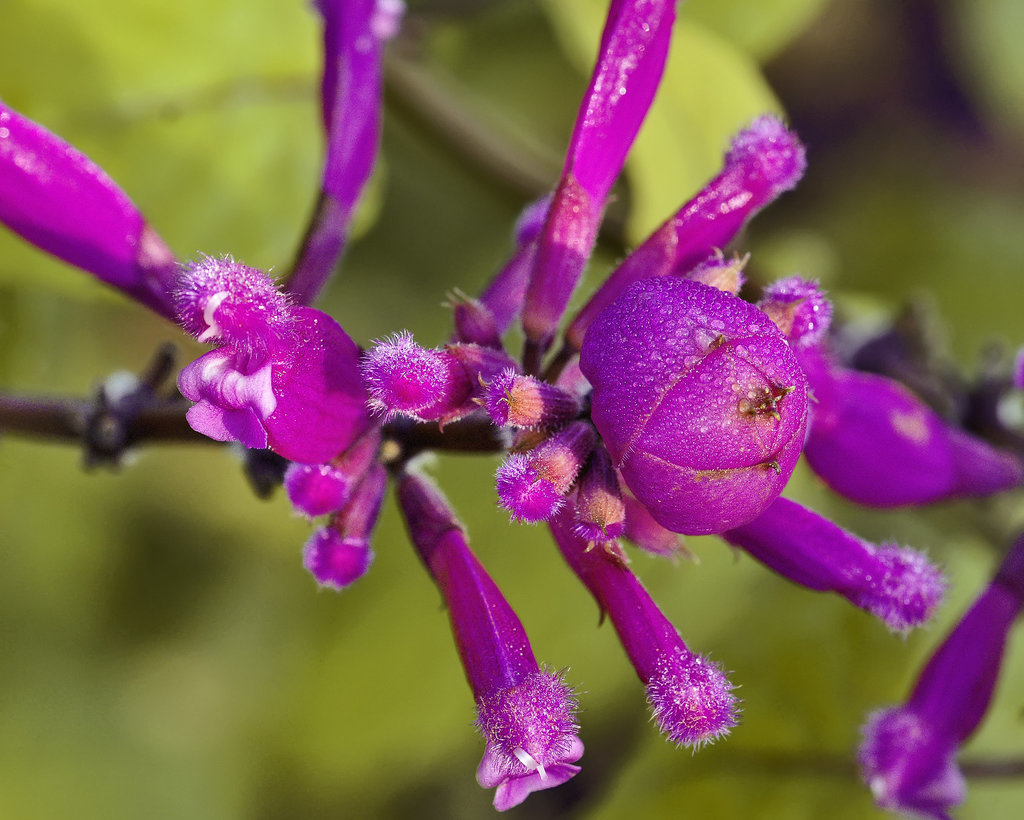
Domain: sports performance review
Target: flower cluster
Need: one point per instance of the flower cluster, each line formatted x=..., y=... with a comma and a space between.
x=666, y=405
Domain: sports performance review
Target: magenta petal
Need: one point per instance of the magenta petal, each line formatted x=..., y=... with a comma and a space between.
x=321, y=404
x=61, y=201
x=515, y=790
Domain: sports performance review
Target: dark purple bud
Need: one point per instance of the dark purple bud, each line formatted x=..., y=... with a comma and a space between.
x=763, y=161
x=699, y=400
x=690, y=697
x=59, y=200
x=527, y=716
x=220, y=301
x=876, y=443
x=897, y=585
x=600, y=510
x=908, y=757
x=799, y=309
x=514, y=400
x=631, y=59
x=532, y=486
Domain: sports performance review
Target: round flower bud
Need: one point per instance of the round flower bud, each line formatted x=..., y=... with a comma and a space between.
x=699, y=400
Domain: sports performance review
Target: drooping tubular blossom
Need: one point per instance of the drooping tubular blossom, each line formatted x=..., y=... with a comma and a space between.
x=699, y=400
x=532, y=486
x=286, y=377
x=690, y=696
x=875, y=442
x=526, y=715
x=428, y=384
x=515, y=400
x=600, y=510
x=908, y=756
x=59, y=200
x=799, y=309
x=763, y=161
x=354, y=35
x=339, y=554
x=895, y=584
x=631, y=59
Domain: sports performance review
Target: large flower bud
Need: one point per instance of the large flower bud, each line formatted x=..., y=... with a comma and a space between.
x=699, y=400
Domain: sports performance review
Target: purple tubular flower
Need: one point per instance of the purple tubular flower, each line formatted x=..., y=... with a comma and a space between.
x=59, y=200
x=895, y=584
x=287, y=378
x=631, y=59
x=514, y=400
x=690, y=697
x=354, y=35
x=340, y=554
x=764, y=161
x=532, y=486
x=876, y=443
x=526, y=715
x=908, y=756
x=600, y=510
x=799, y=309
x=699, y=400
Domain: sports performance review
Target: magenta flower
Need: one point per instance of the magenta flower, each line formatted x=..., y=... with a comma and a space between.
x=908, y=757
x=526, y=715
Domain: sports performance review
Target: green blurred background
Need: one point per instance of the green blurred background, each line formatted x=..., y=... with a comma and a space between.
x=162, y=652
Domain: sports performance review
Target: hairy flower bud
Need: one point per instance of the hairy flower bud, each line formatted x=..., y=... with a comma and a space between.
x=799, y=309
x=699, y=400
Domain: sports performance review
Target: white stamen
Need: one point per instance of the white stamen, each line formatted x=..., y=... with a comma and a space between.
x=213, y=329
x=530, y=763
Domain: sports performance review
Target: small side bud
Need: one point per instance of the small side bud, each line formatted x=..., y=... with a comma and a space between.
x=600, y=510
x=721, y=273
x=514, y=400
x=339, y=554
x=799, y=309
x=334, y=560
x=532, y=486
x=316, y=489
